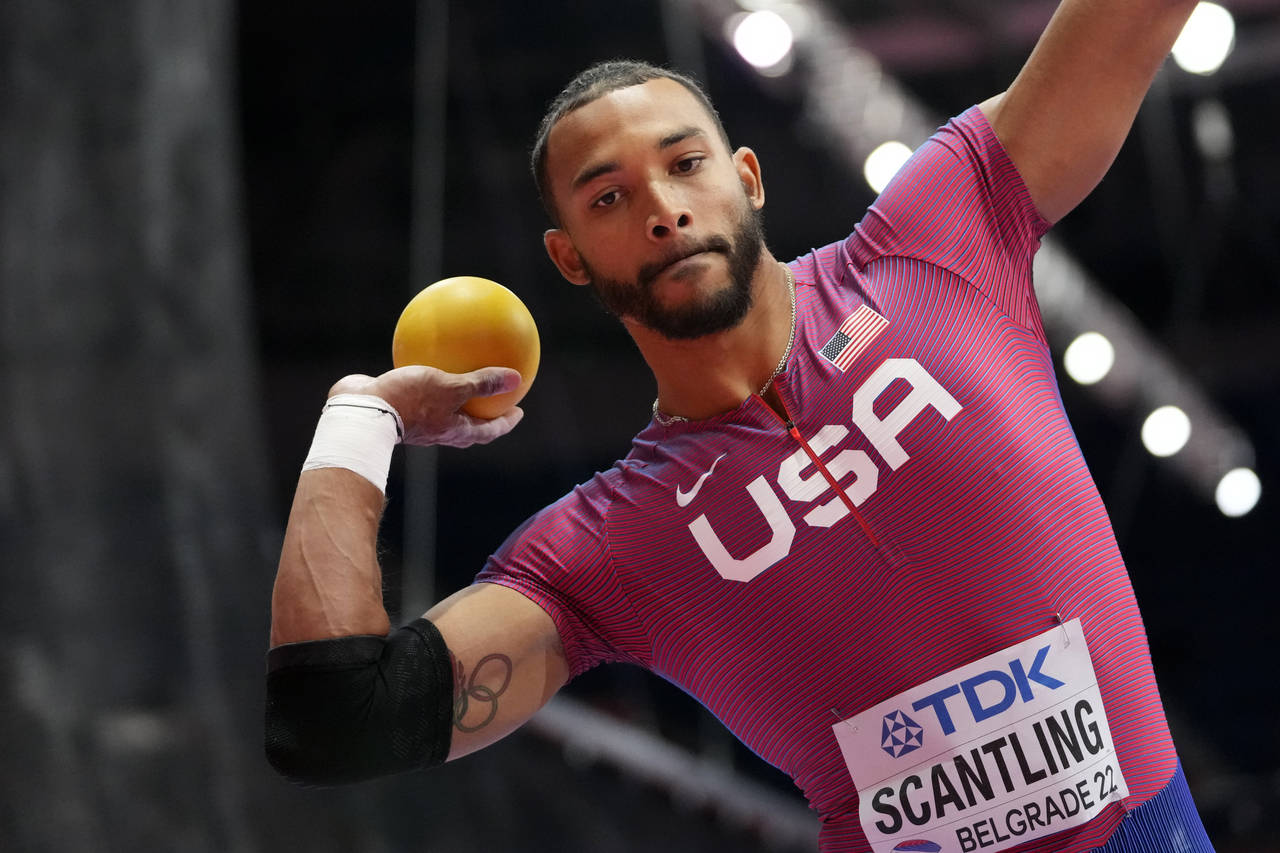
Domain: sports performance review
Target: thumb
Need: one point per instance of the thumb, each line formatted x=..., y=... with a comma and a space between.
x=488, y=381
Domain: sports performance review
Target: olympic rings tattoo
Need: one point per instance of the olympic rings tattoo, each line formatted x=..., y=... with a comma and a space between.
x=471, y=690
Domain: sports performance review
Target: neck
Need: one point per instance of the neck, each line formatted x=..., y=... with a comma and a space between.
x=706, y=376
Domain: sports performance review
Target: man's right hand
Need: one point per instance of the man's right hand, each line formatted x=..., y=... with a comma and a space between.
x=428, y=401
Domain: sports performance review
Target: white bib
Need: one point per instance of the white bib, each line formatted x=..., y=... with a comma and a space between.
x=1008, y=748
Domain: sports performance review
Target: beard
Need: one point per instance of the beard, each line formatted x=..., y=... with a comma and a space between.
x=723, y=310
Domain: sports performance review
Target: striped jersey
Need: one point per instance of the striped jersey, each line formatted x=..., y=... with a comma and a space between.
x=925, y=507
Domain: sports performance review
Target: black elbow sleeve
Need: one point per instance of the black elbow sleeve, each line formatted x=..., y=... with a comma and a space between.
x=352, y=708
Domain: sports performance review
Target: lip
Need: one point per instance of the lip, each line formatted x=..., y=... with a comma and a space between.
x=674, y=266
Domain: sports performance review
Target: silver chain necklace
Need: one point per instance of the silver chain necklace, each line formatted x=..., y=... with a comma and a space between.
x=664, y=419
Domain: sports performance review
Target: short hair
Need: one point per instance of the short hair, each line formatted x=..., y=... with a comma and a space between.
x=593, y=83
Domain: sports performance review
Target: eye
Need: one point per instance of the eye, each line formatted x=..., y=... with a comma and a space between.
x=606, y=200
x=685, y=165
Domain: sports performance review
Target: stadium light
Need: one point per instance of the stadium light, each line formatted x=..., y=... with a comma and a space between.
x=1206, y=39
x=1238, y=492
x=1165, y=431
x=1089, y=358
x=883, y=163
x=764, y=39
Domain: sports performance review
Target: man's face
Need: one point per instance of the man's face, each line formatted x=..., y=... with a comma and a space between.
x=656, y=213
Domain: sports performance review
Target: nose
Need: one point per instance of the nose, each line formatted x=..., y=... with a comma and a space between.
x=669, y=214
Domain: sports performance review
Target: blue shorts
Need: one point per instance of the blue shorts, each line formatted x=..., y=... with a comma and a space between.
x=1166, y=822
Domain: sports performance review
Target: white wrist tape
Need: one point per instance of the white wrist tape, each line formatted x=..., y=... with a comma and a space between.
x=357, y=432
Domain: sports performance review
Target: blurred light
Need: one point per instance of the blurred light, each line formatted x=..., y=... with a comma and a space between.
x=883, y=163
x=1089, y=358
x=763, y=38
x=1165, y=431
x=1211, y=126
x=1238, y=492
x=1206, y=40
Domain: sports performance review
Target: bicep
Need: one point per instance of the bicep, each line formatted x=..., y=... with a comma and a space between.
x=507, y=662
x=1067, y=113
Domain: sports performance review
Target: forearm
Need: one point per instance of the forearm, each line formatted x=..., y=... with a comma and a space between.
x=1066, y=115
x=329, y=583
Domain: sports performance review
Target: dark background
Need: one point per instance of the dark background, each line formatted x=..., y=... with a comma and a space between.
x=212, y=211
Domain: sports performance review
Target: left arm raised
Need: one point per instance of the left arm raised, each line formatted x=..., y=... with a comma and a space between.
x=1066, y=114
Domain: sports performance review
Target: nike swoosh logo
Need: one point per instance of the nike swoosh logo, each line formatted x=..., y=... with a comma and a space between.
x=683, y=498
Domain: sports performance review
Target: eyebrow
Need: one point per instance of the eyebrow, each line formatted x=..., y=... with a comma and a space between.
x=673, y=138
x=679, y=136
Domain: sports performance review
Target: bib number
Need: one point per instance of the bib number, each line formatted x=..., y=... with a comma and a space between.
x=1009, y=748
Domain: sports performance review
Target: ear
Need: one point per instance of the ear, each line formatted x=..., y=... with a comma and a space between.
x=566, y=258
x=748, y=168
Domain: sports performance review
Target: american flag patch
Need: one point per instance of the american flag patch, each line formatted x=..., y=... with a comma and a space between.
x=855, y=334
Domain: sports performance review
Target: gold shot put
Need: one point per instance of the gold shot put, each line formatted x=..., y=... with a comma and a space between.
x=464, y=323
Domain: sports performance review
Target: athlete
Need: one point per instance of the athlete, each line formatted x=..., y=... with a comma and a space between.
x=858, y=475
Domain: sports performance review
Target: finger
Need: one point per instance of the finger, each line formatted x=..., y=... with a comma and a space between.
x=414, y=384
x=466, y=430
x=485, y=431
x=488, y=381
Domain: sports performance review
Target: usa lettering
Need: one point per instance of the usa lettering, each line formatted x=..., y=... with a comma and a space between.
x=881, y=432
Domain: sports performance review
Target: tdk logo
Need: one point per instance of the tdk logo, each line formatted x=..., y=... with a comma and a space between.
x=900, y=734
x=998, y=690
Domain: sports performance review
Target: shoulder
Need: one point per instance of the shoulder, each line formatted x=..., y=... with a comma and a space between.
x=956, y=203
x=962, y=165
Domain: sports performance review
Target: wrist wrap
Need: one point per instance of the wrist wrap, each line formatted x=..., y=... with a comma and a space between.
x=357, y=432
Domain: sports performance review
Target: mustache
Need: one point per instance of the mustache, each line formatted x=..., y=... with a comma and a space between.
x=649, y=272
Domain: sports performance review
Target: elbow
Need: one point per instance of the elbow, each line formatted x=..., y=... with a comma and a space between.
x=293, y=764
x=311, y=727
x=302, y=754
x=355, y=708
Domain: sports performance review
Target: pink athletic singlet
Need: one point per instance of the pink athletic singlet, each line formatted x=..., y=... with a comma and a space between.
x=945, y=653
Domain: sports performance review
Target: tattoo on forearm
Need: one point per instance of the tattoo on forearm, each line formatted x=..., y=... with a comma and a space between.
x=486, y=682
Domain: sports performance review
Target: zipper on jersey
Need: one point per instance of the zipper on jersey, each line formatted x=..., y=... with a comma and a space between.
x=813, y=457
